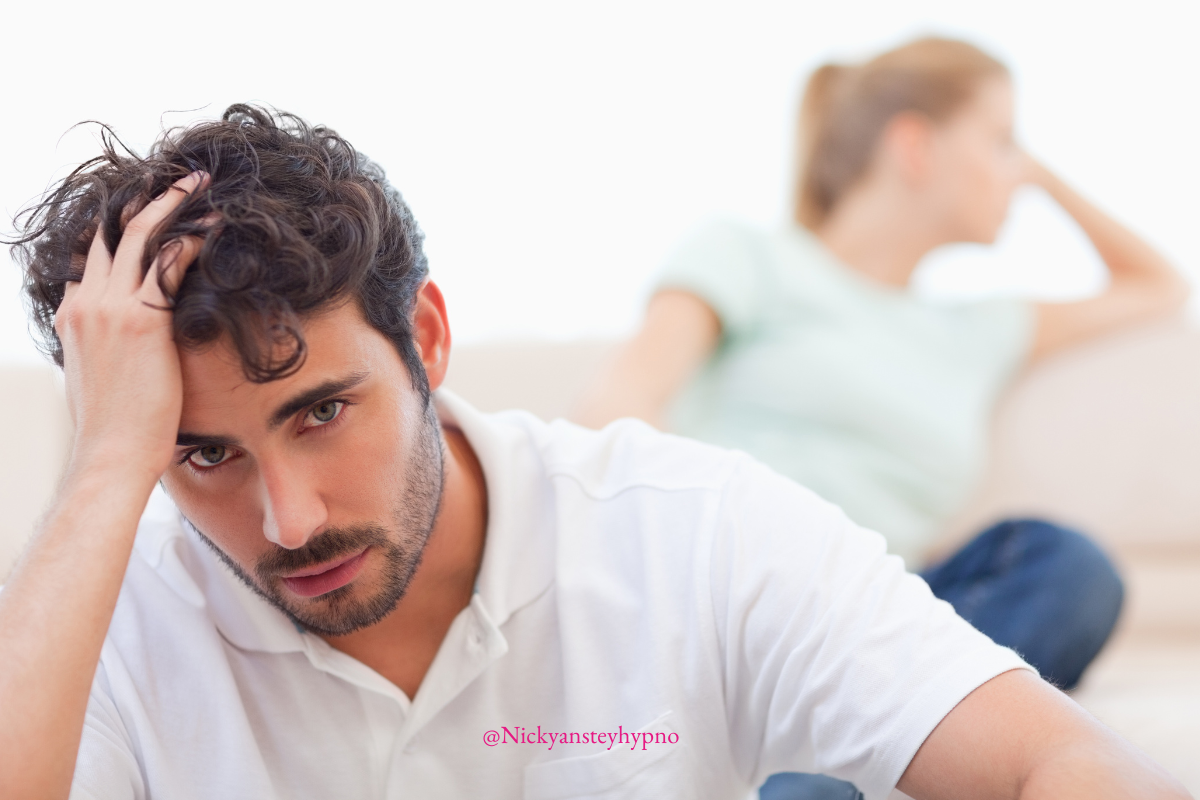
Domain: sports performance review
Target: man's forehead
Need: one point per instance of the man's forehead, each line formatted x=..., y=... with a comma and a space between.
x=338, y=344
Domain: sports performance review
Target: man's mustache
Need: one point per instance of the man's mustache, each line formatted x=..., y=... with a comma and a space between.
x=328, y=545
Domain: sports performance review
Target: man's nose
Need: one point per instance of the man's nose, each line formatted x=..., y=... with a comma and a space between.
x=292, y=509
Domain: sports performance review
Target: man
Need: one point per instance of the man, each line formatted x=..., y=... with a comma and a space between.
x=351, y=587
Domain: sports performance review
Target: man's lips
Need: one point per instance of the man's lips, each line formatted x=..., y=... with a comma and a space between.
x=322, y=578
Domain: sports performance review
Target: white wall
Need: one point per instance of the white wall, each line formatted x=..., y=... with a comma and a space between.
x=555, y=151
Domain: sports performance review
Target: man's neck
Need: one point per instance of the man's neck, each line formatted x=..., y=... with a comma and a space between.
x=403, y=644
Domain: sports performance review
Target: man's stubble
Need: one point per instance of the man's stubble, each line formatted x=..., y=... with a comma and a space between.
x=340, y=612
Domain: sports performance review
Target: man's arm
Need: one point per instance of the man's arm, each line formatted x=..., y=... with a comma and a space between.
x=1018, y=737
x=124, y=392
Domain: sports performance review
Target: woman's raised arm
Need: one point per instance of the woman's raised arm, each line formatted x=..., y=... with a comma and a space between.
x=678, y=335
x=1143, y=285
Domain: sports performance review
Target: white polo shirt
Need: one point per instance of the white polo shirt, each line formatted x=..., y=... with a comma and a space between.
x=653, y=618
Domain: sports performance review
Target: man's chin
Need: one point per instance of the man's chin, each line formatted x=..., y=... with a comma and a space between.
x=359, y=604
x=339, y=612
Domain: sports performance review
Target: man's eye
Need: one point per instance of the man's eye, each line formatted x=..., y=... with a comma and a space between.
x=325, y=412
x=209, y=456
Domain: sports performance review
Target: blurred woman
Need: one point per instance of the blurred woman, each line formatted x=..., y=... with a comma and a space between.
x=805, y=347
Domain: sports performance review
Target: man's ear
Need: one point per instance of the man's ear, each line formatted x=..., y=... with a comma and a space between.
x=906, y=141
x=431, y=332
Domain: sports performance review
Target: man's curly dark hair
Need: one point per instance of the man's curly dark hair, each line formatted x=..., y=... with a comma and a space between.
x=293, y=220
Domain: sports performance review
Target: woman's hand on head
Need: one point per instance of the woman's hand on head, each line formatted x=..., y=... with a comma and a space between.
x=124, y=388
x=1142, y=285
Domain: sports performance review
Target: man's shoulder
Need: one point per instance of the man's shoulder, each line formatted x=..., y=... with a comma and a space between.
x=629, y=458
x=629, y=454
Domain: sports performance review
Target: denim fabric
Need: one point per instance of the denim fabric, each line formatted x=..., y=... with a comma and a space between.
x=800, y=786
x=1044, y=590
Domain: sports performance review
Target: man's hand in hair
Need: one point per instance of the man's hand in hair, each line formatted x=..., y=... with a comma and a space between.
x=122, y=370
x=125, y=393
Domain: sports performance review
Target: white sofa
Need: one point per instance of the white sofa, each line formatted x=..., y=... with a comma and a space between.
x=1105, y=437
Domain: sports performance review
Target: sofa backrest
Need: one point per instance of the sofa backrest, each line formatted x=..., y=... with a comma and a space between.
x=1105, y=436
x=35, y=447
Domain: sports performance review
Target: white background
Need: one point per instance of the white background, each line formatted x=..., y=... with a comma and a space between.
x=554, y=152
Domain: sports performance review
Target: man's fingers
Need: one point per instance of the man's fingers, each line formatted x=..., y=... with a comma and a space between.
x=126, y=269
x=99, y=262
x=172, y=262
x=70, y=294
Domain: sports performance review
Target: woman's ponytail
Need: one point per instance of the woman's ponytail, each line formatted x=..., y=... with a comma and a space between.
x=816, y=108
x=845, y=109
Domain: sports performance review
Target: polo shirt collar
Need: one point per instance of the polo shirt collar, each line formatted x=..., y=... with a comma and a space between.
x=519, y=550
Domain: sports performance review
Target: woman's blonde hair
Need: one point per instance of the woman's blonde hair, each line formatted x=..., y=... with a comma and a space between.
x=846, y=108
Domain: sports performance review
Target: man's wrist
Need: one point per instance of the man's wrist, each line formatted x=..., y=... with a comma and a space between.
x=99, y=485
x=115, y=463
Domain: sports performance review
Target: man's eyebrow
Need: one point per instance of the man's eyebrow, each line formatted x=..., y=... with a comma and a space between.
x=314, y=395
x=185, y=439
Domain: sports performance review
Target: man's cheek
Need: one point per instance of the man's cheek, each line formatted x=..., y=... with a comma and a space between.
x=227, y=521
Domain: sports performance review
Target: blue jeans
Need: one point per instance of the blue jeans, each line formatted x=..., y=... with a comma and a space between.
x=1041, y=589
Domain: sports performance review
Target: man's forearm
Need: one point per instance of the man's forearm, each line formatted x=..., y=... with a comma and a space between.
x=54, y=614
x=124, y=391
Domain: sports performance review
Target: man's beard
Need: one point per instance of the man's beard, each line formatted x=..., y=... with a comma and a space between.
x=338, y=613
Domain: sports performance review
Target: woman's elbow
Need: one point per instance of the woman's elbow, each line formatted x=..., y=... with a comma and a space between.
x=1180, y=291
x=1170, y=295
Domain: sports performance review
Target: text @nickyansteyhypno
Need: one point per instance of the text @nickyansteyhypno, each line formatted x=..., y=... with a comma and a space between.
x=536, y=736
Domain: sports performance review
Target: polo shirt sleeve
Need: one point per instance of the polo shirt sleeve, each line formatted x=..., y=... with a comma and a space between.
x=106, y=768
x=835, y=659
x=722, y=264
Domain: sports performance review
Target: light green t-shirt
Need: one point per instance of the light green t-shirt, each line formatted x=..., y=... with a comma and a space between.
x=872, y=397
